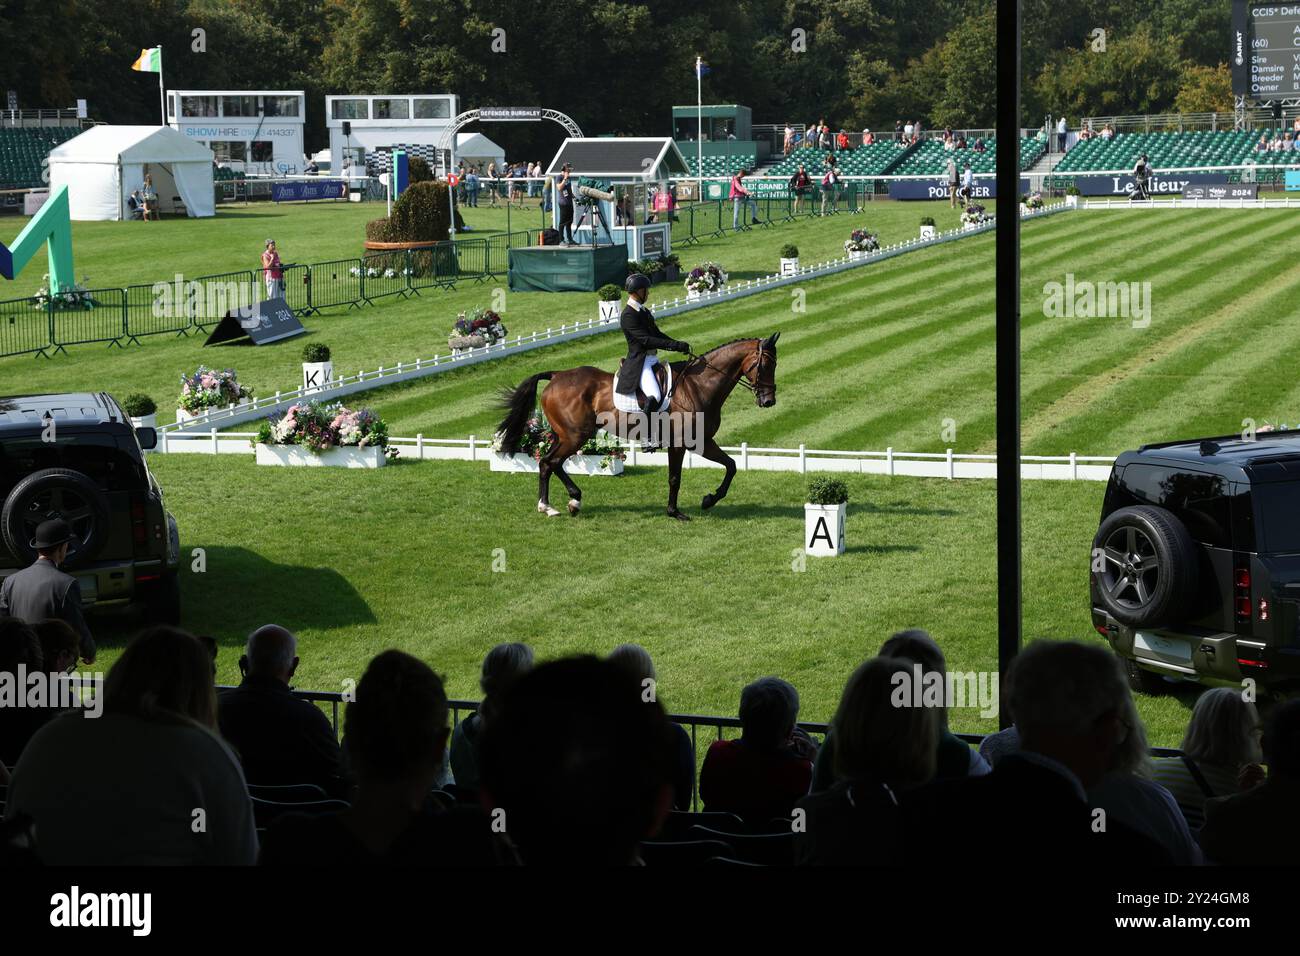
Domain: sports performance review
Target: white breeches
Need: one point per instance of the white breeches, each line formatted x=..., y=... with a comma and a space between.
x=649, y=384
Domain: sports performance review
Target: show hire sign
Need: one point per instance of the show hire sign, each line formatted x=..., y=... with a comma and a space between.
x=266, y=322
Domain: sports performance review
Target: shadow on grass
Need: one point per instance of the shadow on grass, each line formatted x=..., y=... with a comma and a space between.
x=240, y=591
x=902, y=508
x=880, y=548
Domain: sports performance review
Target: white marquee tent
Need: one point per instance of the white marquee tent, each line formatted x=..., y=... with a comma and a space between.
x=477, y=149
x=105, y=164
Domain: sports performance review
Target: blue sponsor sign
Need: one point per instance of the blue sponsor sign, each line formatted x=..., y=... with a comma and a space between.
x=1292, y=180
x=938, y=188
x=304, y=191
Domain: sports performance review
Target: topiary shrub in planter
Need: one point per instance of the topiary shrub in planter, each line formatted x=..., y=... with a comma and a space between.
x=927, y=227
x=141, y=409
x=609, y=296
x=789, y=259
x=420, y=214
x=317, y=369
x=824, y=516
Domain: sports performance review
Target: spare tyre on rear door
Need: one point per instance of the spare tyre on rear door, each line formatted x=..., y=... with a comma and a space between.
x=1144, y=567
x=55, y=493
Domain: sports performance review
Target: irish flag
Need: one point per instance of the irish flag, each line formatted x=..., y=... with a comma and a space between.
x=150, y=61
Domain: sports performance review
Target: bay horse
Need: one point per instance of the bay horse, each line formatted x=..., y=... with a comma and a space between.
x=579, y=401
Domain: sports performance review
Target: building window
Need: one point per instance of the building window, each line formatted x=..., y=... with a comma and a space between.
x=350, y=110
x=239, y=105
x=263, y=151
x=393, y=109
x=281, y=105
x=432, y=109
x=198, y=106
x=225, y=151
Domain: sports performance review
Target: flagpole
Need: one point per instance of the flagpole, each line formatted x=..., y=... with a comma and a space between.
x=699, y=126
x=162, y=96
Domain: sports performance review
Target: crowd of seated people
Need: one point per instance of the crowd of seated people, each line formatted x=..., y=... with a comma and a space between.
x=576, y=762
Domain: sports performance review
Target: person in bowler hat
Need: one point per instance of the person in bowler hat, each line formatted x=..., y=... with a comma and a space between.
x=42, y=591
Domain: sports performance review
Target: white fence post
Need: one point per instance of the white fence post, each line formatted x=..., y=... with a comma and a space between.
x=744, y=456
x=215, y=450
x=889, y=460
x=1074, y=465
x=803, y=459
x=951, y=468
x=472, y=451
x=419, y=446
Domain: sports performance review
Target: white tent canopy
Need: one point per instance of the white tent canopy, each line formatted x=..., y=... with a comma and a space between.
x=105, y=164
x=477, y=149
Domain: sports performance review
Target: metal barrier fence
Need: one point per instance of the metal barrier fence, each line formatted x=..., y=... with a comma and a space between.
x=179, y=306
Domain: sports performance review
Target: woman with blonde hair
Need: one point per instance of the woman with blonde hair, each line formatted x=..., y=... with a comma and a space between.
x=1221, y=750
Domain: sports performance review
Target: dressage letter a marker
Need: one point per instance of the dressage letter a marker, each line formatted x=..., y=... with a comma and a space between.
x=821, y=531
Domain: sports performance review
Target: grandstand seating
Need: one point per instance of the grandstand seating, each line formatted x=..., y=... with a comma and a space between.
x=23, y=150
x=1169, y=150
x=870, y=160
x=721, y=165
x=929, y=158
x=890, y=158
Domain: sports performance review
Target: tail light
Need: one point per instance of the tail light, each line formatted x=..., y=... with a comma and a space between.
x=1263, y=609
x=139, y=525
x=1241, y=593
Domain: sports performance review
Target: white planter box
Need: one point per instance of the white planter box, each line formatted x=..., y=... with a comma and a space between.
x=789, y=267
x=969, y=226
x=371, y=456
x=693, y=294
x=1072, y=201
x=575, y=465
x=609, y=311
x=183, y=416
x=145, y=421
x=316, y=375
x=823, y=534
x=927, y=232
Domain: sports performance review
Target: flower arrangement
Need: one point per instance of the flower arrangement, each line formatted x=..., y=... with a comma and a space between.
x=478, y=328
x=210, y=388
x=370, y=272
x=538, y=437
x=974, y=215
x=74, y=297
x=1034, y=201
x=706, y=277
x=322, y=427
x=861, y=241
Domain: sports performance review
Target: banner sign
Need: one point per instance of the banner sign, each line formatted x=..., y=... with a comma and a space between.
x=938, y=188
x=509, y=113
x=265, y=322
x=1160, y=184
x=1234, y=191
x=1292, y=180
x=304, y=191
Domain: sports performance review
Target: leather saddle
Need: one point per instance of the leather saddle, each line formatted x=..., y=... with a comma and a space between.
x=664, y=376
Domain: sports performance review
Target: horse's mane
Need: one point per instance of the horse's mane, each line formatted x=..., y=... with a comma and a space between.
x=748, y=338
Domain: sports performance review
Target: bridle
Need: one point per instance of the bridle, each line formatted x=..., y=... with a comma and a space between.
x=757, y=367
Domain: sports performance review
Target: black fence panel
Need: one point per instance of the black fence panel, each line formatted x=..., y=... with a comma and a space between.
x=25, y=327
x=156, y=309
x=383, y=274
x=335, y=283
x=297, y=288
x=96, y=315
x=209, y=298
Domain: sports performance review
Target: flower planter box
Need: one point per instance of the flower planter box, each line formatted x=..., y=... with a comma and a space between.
x=1072, y=201
x=927, y=232
x=692, y=294
x=790, y=267
x=347, y=456
x=316, y=375
x=610, y=311
x=183, y=416
x=146, y=421
x=823, y=534
x=970, y=226
x=858, y=253
x=575, y=465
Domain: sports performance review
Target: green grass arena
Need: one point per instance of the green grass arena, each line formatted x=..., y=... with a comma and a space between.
x=892, y=354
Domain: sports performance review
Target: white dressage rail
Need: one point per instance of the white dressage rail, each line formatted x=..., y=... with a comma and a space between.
x=946, y=464
x=1178, y=202
x=405, y=371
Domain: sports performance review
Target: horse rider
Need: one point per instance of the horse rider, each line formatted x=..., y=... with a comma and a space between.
x=644, y=339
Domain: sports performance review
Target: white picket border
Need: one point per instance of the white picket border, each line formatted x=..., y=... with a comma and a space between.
x=1178, y=202
x=946, y=464
x=405, y=371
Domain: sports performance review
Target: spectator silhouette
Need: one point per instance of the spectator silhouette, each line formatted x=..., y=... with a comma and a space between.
x=880, y=751
x=574, y=764
x=769, y=768
x=394, y=736
x=1259, y=827
x=1068, y=701
x=280, y=739
x=637, y=661
x=501, y=667
x=1222, y=741
x=129, y=787
x=20, y=656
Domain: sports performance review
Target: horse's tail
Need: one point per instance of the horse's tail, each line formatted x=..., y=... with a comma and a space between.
x=519, y=404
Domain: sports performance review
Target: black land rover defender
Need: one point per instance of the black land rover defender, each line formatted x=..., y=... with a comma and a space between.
x=90, y=470
x=1196, y=565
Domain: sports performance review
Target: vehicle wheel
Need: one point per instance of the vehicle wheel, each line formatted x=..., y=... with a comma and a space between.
x=1143, y=681
x=161, y=602
x=1149, y=568
x=55, y=493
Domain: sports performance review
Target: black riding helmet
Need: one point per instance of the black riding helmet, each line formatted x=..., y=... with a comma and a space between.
x=636, y=281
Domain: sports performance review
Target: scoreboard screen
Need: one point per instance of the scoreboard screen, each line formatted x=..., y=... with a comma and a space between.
x=1265, y=53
